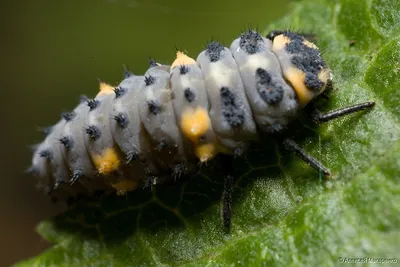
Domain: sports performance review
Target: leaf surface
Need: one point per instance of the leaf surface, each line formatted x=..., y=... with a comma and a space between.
x=284, y=214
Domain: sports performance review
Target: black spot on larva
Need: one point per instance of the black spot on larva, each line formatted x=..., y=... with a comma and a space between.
x=68, y=116
x=312, y=82
x=154, y=106
x=67, y=141
x=251, y=42
x=122, y=119
x=183, y=69
x=263, y=76
x=231, y=109
x=308, y=62
x=305, y=58
x=189, y=95
x=152, y=63
x=293, y=35
x=93, y=103
x=271, y=92
x=213, y=51
x=47, y=154
x=93, y=132
x=119, y=91
x=149, y=80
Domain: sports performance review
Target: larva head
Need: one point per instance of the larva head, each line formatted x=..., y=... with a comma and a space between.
x=302, y=64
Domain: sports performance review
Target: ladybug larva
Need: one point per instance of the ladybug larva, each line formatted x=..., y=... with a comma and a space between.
x=154, y=128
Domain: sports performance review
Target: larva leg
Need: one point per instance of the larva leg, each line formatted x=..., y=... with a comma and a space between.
x=310, y=160
x=319, y=117
x=226, y=204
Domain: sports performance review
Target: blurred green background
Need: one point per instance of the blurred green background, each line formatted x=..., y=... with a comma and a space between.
x=53, y=51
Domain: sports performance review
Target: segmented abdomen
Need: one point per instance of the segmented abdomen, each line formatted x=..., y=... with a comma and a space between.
x=158, y=126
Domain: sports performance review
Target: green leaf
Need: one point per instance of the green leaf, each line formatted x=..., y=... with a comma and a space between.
x=284, y=214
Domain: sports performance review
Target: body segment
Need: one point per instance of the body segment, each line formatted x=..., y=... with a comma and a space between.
x=273, y=101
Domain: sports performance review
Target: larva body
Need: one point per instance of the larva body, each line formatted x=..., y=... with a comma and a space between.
x=159, y=126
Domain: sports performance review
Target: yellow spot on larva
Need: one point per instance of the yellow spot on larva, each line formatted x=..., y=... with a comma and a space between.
x=124, y=186
x=280, y=42
x=195, y=123
x=309, y=44
x=206, y=152
x=107, y=162
x=105, y=89
x=182, y=59
x=297, y=78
